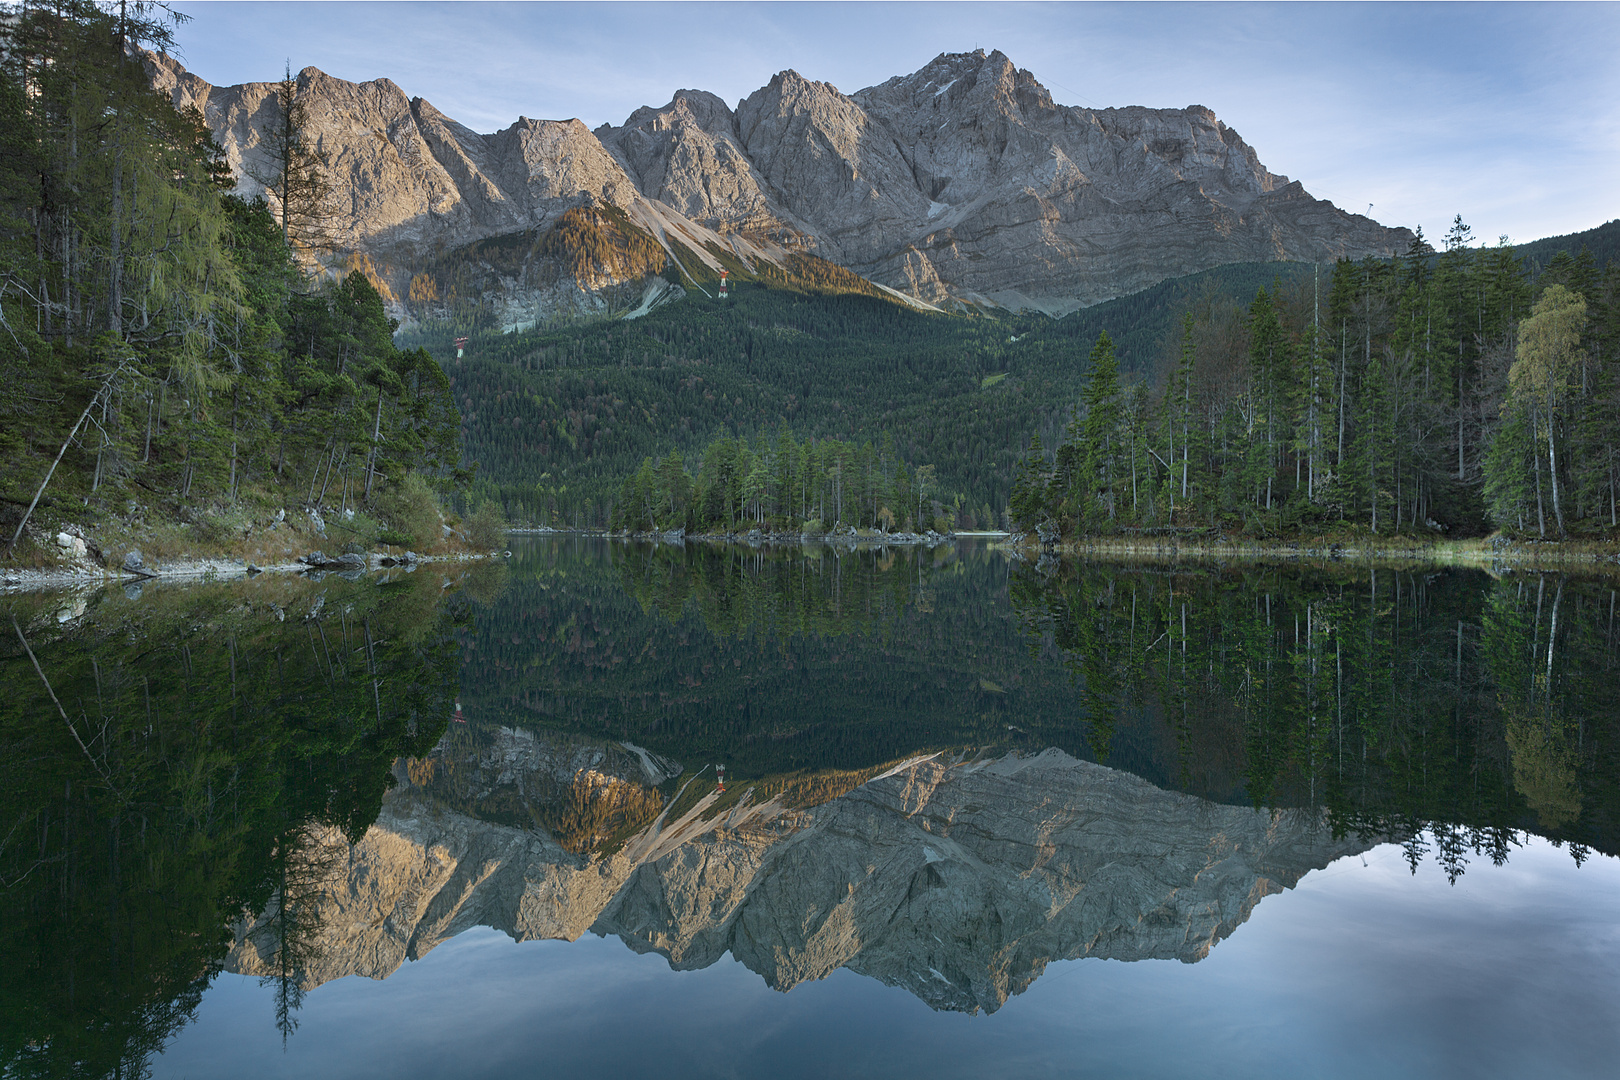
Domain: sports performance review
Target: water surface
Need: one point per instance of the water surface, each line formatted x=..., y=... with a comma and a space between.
x=978, y=817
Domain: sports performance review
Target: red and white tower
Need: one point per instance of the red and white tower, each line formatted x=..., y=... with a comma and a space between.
x=461, y=343
x=723, y=293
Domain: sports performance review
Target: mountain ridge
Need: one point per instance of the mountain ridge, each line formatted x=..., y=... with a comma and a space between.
x=961, y=184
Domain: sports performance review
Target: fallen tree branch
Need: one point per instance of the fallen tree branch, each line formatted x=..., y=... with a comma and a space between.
x=105, y=386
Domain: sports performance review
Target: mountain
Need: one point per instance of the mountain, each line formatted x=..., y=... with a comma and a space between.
x=957, y=880
x=962, y=183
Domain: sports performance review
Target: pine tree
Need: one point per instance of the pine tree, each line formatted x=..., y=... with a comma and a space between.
x=294, y=172
x=1094, y=485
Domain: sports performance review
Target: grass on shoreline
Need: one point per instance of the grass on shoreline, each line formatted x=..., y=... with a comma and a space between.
x=1496, y=552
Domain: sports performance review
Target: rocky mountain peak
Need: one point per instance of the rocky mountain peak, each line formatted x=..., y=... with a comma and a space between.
x=963, y=182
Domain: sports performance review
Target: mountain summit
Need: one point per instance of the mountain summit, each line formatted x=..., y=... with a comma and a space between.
x=960, y=183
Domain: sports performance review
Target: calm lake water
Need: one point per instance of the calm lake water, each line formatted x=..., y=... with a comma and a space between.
x=977, y=818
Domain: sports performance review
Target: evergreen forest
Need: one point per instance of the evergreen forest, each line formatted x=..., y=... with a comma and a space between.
x=812, y=485
x=1439, y=393
x=165, y=347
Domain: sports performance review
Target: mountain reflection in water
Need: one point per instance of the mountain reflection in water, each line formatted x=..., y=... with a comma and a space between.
x=944, y=769
x=957, y=880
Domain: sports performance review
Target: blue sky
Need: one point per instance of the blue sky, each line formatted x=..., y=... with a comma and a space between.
x=1508, y=114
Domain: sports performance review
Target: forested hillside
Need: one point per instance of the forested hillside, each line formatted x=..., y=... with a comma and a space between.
x=163, y=354
x=556, y=418
x=1447, y=394
x=1357, y=381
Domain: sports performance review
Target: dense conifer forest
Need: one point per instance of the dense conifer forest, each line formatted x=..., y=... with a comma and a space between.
x=164, y=349
x=1439, y=393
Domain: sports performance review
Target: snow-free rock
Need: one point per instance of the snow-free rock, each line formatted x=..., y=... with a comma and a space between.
x=962, y=182
x=958, y=881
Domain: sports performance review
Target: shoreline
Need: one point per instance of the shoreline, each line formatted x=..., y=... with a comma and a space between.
x=1498, y=556
x=193, y=569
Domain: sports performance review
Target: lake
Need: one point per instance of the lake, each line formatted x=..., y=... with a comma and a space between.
x=712, y=810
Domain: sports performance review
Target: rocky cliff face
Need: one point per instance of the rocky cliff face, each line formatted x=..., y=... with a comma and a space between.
x=962, y=182
x=957, y=881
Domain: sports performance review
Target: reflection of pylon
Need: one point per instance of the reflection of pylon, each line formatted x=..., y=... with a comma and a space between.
x=461, y=343
x=456, y=716
x=720, y=771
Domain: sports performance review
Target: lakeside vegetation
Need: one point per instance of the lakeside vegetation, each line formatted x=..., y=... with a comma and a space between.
x=816, y=486
x=168, y=354
x=1431, y=394
x=1436, y=396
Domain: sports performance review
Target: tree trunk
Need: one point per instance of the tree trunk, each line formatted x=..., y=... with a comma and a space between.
x=1535, y=452
x=376, y=432
x=235, y=396
x=52, y=470
x=1552, y=474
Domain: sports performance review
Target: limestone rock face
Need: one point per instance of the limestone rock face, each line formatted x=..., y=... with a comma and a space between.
x=687, y=156
x=843, y=173
x=405, y=177
x=1036, y=204
x=957, y=881
x=962, y=182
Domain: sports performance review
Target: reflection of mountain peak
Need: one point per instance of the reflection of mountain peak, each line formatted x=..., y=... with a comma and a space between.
x=958, y=881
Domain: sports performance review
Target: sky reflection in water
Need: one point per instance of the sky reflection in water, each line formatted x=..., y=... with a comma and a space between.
x=1359, y=971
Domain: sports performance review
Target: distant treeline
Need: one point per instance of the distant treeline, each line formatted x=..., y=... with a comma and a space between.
x=1438, y=392
x=783, y=483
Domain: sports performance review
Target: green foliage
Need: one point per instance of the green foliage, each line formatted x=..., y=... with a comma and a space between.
x=557, y=418
x=780, y=484
x=131, y=283
x=486, y=526
x=1387, y=397
x=412, y=513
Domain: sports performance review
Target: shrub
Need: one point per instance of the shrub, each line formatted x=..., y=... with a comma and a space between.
x=486, y=526
x=411, y=512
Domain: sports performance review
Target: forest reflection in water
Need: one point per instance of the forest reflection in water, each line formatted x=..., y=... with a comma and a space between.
x=1400, y=700
x=264, y=759
x=167, y=759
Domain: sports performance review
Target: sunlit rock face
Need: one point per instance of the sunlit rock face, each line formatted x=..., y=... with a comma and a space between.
x=960, y=183
x=957, y=880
